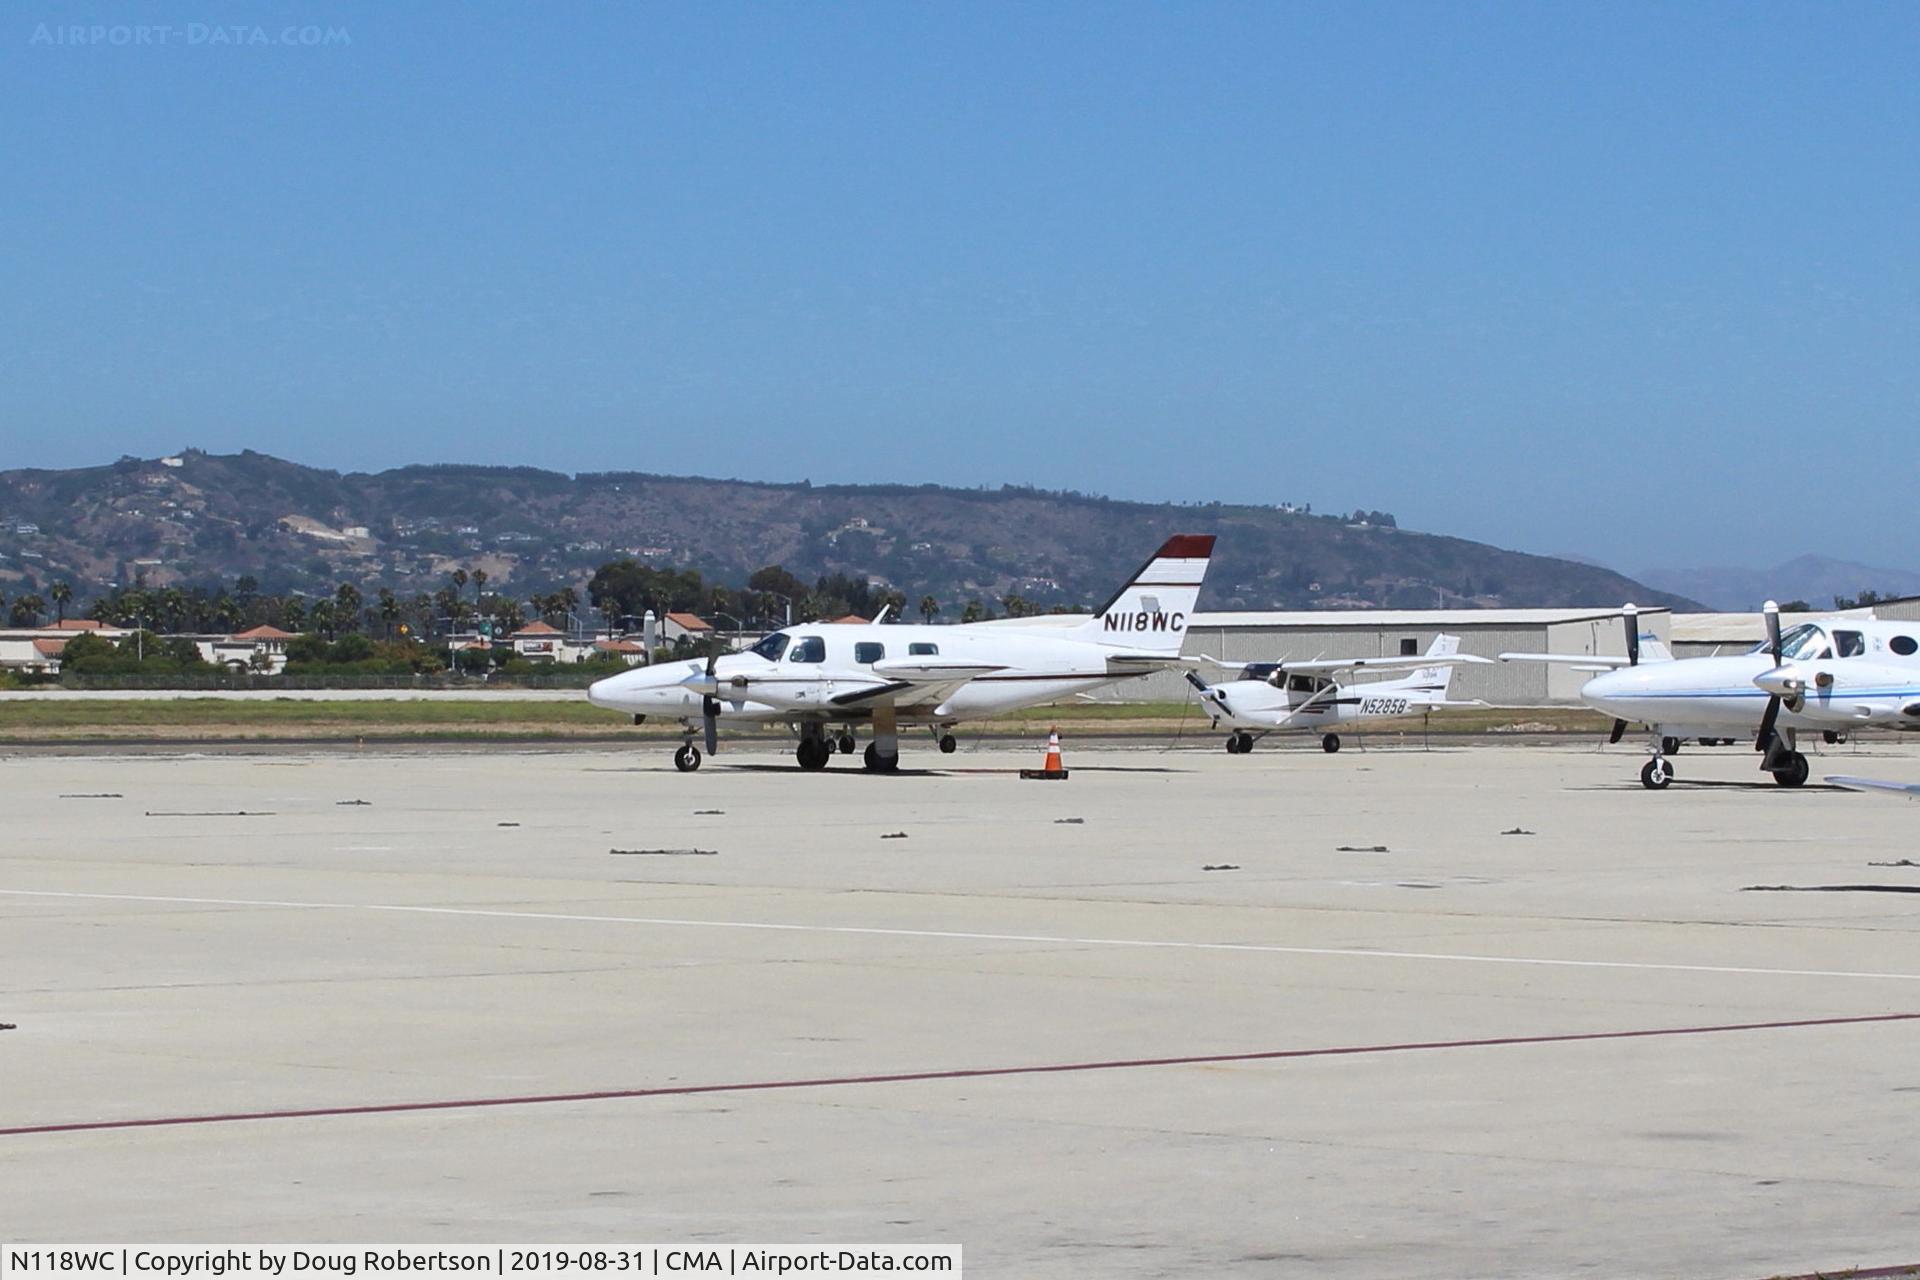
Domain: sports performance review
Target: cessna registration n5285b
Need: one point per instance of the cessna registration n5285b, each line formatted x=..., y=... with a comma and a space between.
x=1288, y=697
x=824, y=679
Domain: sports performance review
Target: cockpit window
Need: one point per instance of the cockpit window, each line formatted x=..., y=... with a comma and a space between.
x=1805, y=642
x=1259, y=670
x=808, y=649
x=772, y=647
x=1849, y=644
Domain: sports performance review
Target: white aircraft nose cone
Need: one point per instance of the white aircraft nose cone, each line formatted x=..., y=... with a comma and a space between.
x=601, y=693
x=1781, y=681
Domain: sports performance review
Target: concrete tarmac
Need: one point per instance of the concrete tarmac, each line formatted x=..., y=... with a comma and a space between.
x=1468, y=1012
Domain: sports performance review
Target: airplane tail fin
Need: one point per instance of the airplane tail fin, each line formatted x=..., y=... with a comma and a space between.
x=1150, y=613
x=1436, y=679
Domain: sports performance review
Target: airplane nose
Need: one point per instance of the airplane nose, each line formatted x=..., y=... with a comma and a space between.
x=600, y=692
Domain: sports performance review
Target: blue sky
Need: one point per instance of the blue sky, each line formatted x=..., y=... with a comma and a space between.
x=1640, y=282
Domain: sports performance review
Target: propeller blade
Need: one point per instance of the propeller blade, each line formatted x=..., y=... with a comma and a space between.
x=1194, y=679
x=710, y=714
x=1771, y=612
x=1764, y=739
x=1631, y=617
x=1619, y=731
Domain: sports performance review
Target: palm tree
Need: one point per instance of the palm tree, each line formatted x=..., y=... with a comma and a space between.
x=293, y=614
x=929, y=608
x=27, y=609
x=479, y=583
x=61, y=593
x=346, y=606
x=322, y=615
x=389, y=610
x=974, y=612
x=459, y=580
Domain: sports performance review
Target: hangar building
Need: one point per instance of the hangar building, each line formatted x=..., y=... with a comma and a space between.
x=1372, y=633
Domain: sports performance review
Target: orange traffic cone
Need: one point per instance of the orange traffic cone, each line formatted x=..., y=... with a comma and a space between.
x=1052, y=768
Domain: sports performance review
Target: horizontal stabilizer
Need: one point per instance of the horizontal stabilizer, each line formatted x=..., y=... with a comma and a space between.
x=1874, y=784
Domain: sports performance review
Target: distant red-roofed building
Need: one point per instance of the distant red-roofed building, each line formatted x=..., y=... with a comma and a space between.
x=630, y=651
x=851, y=619
x=538, y=641
x=78, y=624
x=261, y=649
x=675, y=625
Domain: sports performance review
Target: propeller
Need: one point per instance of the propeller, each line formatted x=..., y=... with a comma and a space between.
x=710, y=706
x=1764, y=739
x=1207, y=691
x=1630, y=616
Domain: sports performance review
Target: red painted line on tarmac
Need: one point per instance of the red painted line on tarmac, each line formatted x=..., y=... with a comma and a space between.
x=909, y=1077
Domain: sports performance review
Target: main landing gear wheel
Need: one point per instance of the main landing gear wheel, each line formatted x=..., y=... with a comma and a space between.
x=1656, y=774
x=813, y=753
x=879, y=763
x=948, y=744
x=1330, y=743
x=1239, y=744
x=1795, y=773
x=1669, y=746
x=1233, y=744
x=847, y=744
x=687, y=758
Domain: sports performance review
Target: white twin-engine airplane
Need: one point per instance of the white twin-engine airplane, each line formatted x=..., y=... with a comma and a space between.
x=1292, y=697
x=832, y=676
x=1829, y=675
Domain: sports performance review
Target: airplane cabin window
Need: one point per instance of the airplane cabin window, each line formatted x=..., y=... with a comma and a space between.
x=1849, y=644
x=1905, y=646
x=808, y=649
x=924, y=649
x=1806, y=642
x=869, y=651
x=772, y=647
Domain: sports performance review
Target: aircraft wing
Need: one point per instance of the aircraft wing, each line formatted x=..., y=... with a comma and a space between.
x=1578, y=661
x=1144, y=662
x=1414, y=662
x=915, y=681
x=1907, y=789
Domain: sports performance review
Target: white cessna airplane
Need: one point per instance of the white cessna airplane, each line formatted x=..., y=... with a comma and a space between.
x=1721, y=697
x=826, y=676
x=1291, y=697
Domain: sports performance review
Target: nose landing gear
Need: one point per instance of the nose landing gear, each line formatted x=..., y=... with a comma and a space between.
x=687, y=758
x=1656, y=773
